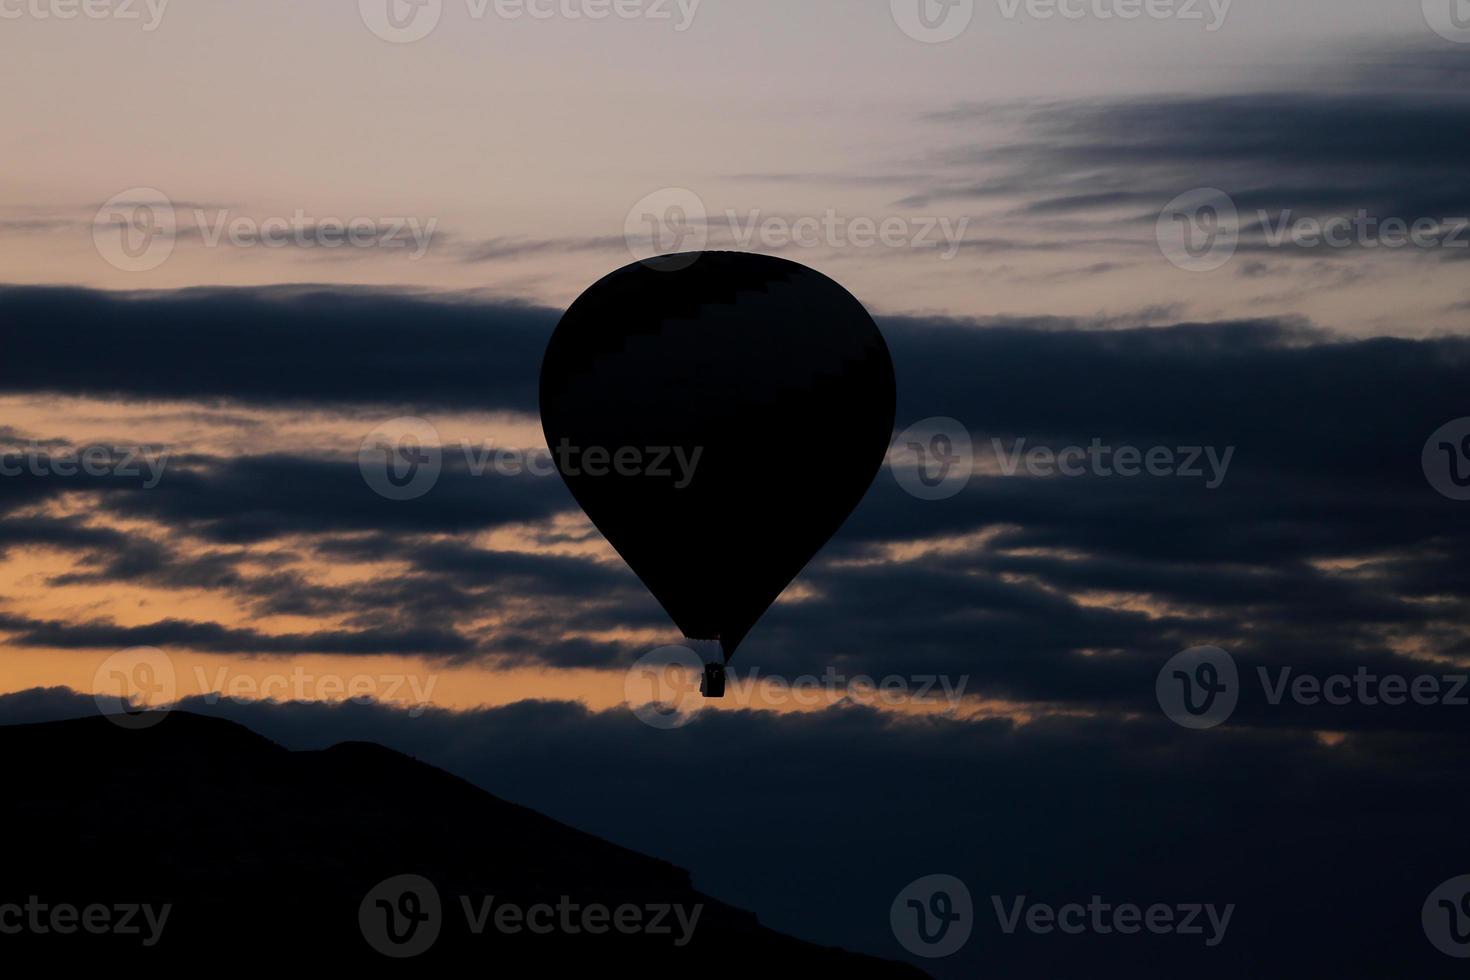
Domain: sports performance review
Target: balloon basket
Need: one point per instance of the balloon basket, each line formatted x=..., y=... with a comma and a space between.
x=713, y=685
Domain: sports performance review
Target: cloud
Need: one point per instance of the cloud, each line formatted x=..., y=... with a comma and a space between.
x=1322, y=547
x=1390, y=143
x=277, y=345
x=216, y=638
x=508, y=247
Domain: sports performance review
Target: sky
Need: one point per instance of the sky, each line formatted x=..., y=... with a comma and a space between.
x=1186, y=289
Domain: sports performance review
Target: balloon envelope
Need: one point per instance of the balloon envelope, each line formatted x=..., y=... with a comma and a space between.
x=751, y=401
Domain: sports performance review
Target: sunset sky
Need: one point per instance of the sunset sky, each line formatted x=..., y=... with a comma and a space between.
x=1003, y=202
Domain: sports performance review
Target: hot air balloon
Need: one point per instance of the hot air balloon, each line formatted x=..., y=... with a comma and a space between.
x=769, y=393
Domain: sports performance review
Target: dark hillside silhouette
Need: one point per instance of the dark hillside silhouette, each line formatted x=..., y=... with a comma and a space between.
x=267, y=855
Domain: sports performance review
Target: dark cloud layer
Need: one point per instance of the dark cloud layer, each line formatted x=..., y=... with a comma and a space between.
x=1324, y=547
x=1386, y=133
x=279, y=345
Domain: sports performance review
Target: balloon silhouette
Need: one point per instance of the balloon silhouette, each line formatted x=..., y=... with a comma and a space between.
x=751, y=401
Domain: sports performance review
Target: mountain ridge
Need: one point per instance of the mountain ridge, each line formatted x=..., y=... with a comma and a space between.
x=283, y=856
